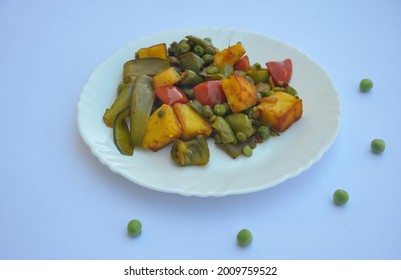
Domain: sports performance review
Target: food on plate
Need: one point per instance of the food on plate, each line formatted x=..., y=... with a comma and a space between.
x=340, y=197
x=190, y=91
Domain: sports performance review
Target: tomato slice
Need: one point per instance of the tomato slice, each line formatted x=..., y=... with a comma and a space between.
x=242, y=64
x=210, y=93
x=280, y=72
x=170, y=95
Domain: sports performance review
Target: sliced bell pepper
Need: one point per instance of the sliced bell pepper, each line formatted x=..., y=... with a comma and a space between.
x=280, y=72
x=170, y=95
x=242, y=64
x=210, y=93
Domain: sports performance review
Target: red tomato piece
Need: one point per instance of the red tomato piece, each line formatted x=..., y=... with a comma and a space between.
x=210, y=93
x=280, y=72
x=242, y=64
x=170, y=95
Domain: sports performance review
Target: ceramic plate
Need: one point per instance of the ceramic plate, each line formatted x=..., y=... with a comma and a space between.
x=272, y=162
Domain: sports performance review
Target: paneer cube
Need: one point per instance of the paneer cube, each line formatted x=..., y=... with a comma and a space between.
x=280, y=110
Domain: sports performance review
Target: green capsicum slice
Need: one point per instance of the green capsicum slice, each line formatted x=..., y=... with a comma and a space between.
x=122, y=101
x=192, y=152
x=144, y=66
x=143, y=96
x=121, y=133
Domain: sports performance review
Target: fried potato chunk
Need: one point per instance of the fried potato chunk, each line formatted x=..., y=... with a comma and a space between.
x=162, y=129
x=280, y=110
x=240, y=93
x=156, y=51
x=192, y=122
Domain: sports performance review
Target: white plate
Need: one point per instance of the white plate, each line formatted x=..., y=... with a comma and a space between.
x=272, y=162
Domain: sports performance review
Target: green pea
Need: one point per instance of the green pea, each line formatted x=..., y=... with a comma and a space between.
x=208, y=58
x=198, y=50
x=244, y=237
x=241, y=137
x=247, y=151
x=377, y=146
x=365, y=85
x=182, y=47
x=134, y=227
x=219, y=109
x=340, y=197
x=264, y=132
x=160, y=114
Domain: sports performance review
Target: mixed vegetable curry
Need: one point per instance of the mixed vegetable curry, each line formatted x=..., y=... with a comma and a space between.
x=191, y=91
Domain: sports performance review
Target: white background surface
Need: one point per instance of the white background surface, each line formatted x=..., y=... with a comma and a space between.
x=57, y=201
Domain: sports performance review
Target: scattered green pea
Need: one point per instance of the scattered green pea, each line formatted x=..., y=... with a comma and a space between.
x=134, y=227
x=365, y=85
x=377, y=146
x=340, y=197
x=247, y=151
x=244, y=237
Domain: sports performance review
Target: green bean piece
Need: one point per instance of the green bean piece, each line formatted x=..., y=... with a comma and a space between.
x=259, y=76
x=235, y=150
x=240, y=122
x=207, y=45
x=190, y=79
x=195, y=104
x=191, y=61
x=224, y=130
x=207, y=111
